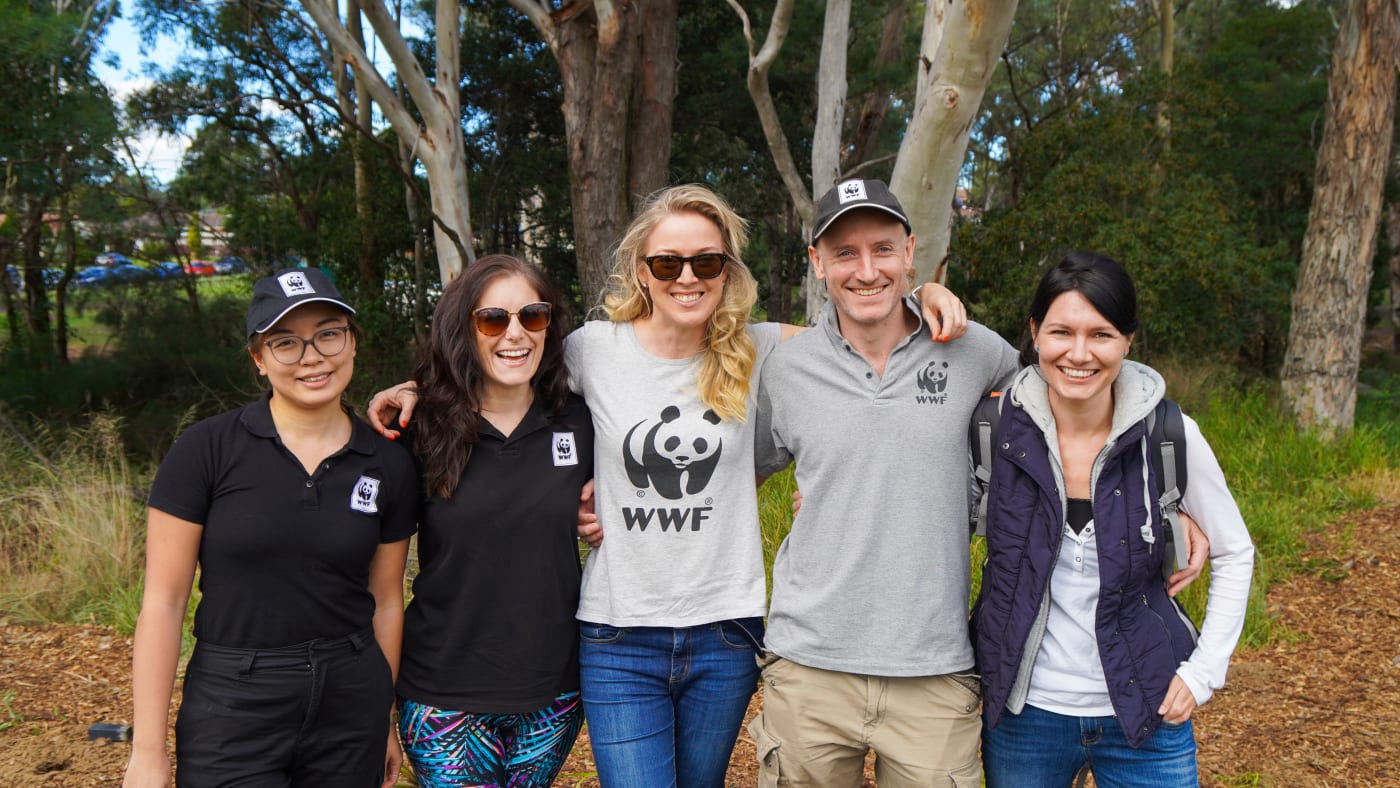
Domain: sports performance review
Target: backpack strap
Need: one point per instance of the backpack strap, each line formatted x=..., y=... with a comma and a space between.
x=986, y=418
x=1167, y=432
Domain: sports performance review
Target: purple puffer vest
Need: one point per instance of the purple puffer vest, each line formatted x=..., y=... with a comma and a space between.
x=1142, y=635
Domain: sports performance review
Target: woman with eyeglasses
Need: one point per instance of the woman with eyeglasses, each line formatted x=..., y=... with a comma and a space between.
x=671, y=610
x=489, y=686
x=297, y=516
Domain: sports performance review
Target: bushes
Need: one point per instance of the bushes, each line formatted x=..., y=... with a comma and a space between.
x=71, y=541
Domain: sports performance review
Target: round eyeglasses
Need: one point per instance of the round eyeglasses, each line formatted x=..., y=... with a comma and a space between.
x=289, y=349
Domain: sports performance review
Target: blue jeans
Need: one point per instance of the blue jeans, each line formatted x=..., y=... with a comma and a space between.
x=1039, y=747
x=664, y=705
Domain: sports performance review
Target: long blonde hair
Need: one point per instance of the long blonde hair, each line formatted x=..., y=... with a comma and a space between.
x=727, y=363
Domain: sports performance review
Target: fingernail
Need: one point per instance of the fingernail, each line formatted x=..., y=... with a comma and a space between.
x=403, y=422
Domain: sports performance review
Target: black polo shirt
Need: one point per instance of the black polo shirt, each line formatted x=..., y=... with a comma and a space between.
x=491, y=625
x=284, y=557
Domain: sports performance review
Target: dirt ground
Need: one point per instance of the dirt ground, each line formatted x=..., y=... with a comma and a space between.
x=1322, y=709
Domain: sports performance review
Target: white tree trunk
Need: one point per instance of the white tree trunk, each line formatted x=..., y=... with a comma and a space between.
x=963, y=41
x=438, y=140
x=831, y=116
x=1329, y=302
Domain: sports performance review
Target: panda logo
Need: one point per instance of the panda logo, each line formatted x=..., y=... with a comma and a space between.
x=294, y=284
x=934, y=377
x=676, y=455
x=365, y=495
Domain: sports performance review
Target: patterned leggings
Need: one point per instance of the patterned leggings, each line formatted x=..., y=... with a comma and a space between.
x=454, y=749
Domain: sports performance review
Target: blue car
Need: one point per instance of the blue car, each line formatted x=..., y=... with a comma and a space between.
x=95, y=276
x=112, y=258
x=168, y=270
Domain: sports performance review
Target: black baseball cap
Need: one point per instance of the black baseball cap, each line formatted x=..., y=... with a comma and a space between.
x=276, y=295
x=854, y=194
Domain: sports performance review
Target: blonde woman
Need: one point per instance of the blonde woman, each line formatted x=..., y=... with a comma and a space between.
x=671, y=610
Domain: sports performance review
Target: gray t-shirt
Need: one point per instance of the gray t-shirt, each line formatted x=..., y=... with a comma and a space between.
x=675, y=487
x=873, y=578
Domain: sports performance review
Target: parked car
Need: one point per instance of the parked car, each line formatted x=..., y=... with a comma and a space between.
x=112, y=258
x=230, y=265
x=95, y=276
x=201, y=268
x=130, y=273
x=169, y=269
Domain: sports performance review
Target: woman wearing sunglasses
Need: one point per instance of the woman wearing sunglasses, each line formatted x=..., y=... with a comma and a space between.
x=489, y=686
x=671, y=611
x=298, y=517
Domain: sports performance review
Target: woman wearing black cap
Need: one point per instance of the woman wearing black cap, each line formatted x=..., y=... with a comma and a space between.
x=298, y=517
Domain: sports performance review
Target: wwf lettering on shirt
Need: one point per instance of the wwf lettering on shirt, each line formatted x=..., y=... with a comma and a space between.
x=674, y=456
x=932, y=383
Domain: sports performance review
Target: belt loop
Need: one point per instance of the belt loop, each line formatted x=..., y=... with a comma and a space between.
x=359, y=640
x=245, y=664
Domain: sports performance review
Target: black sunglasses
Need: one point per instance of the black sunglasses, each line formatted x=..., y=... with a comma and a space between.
x=493, y=320
x=705, y=266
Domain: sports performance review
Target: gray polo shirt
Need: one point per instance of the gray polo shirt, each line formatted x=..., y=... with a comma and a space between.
x=873, y=578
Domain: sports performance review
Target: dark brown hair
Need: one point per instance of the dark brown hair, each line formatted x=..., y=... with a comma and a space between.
x=449, y=376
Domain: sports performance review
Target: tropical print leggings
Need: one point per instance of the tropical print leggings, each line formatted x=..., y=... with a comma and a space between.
x=454, y=749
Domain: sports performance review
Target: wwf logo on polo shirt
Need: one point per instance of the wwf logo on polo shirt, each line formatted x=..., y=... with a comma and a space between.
x=365, y=496
x=933, y=382
x=565, y=452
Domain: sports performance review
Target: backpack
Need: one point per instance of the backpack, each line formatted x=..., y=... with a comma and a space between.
x=1166, y=432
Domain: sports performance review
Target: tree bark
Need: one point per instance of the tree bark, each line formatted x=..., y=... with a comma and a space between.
x=611, y=56
x=1329, y=302
x=370, y=269
x=831, y=116
x=961, y=46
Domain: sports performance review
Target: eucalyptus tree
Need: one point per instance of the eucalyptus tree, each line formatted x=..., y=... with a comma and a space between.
x=1329, y=301
x=959, y=49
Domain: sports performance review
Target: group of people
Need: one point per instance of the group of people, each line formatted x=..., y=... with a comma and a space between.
x=646, y=434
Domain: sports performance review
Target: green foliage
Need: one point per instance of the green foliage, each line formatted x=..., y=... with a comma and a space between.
x=159, y=365
x=1103, y=183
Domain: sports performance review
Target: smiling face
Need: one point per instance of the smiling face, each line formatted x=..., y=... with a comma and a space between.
x=865, y=258
x=1081, y=352
x=316, y=381
x=509, y=360
x=686, y=302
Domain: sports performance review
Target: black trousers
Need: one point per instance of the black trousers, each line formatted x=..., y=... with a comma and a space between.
x=314, y=714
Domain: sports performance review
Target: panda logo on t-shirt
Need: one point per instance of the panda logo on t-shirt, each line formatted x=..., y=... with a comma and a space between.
x=676, y=455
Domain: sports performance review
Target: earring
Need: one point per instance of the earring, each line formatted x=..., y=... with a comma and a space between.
x=1037, y=350
x=1125, y=354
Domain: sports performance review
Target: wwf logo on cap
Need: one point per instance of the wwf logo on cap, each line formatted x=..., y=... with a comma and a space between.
x=851, y=191
x=294, y=284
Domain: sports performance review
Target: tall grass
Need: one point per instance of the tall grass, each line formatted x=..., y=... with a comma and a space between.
x=71, y=536
x=1287, y=483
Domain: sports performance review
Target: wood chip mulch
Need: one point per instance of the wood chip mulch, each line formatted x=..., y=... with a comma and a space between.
x=1320, y=709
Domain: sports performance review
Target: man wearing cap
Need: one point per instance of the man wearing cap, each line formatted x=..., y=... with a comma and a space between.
x=867, y=629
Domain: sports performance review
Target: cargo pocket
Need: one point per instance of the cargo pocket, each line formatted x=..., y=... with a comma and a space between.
x=769, y=754
x=968, y=775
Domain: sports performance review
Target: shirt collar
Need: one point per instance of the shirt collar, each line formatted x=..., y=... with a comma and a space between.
x=828, y=322
x=257, y=419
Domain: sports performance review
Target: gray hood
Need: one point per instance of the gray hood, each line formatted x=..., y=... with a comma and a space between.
x=1136, y=392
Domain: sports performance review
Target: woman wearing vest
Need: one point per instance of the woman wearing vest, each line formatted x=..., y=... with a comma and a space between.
x=1084, y=657
x=672, y=604
x=489, y=687
x=298, y=517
